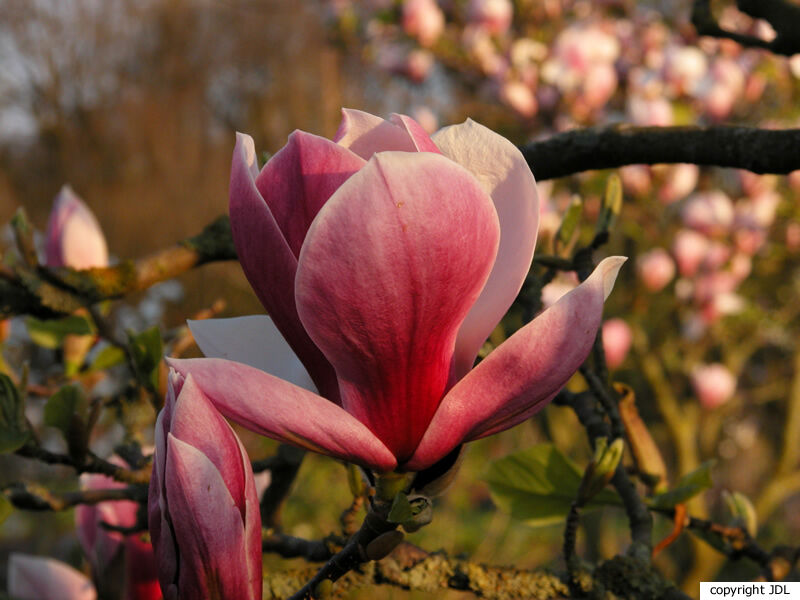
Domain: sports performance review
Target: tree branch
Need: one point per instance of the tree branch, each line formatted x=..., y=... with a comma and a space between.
x=784, y=17
x=26, y=498
x=750, y=148
x=91, y=464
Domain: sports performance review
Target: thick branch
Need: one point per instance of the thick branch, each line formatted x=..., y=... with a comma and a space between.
x=51, y=292
x=753, y=149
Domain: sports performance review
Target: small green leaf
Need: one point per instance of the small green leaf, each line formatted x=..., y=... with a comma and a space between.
x=570, y=222
x=50, y=333
x=13, y=427
x=688, y=487
x=61, y=406
x=401, y=509
x=108, y=357
x=6, y=508
x=539, y=484
x=612, y=204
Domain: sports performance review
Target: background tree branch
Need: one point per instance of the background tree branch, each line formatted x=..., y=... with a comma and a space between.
x=783, y=16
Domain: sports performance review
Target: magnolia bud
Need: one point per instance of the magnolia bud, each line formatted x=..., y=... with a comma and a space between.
x=74, y=237
x=203, y=505
x=617, y=338
x=601, y=469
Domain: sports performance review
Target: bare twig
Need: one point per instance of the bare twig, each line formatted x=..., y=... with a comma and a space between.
x=91, y=464
x=28, y=498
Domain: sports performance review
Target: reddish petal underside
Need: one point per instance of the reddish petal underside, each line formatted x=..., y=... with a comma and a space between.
x=522, y=374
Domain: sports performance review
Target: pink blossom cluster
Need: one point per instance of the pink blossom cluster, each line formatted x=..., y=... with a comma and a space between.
x=584, y=68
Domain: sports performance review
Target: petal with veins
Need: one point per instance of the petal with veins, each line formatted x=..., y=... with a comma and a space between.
x=388, y=271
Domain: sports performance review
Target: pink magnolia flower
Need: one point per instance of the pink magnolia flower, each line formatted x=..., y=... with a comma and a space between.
x=520, y=97
x=423, y=20
x=714, y=384
x=202, y=505
x=656, y=268
x=386, y=258
x=617, y=339
x=74, y=237
x=685, y=68
x=689, y=248
x=39, y=578
x=679, y=181
x=492, y=15
x=710, y=212
x=649, y=112
x=101, y=546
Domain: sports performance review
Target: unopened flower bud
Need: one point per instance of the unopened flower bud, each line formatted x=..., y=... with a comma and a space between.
x=74, y=237
x=617, y=338
x=742, y=511
x=601, y=469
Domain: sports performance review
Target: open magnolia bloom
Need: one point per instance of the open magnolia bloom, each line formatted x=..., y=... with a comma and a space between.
x=385, y=258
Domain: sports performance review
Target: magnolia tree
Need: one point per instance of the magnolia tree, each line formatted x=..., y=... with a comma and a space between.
x=407, y=316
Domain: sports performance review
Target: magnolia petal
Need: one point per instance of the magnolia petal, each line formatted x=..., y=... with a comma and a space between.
x=300, y=178
x=280, y=410
x=253, y=340
x=503, y=172
x=524, y=373
x=99, y=544
x=38, y=578
x=161, y=532
x=419, y=137
x=208, y=527
x=268, y=261
x=366, y=134
x=141, y=573
x=252, y=527
x=390, y=267
x=197, y=423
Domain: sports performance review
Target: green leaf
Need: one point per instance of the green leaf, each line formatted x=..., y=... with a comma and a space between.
x=6, y=508
x=401, y=509
x=570, y=222
x=539, y=484
x=612, y=203
x=108, y=357
x=61, y=406
x=13, y=427
x=688, y=487
x=147, y=350
x=50, y=333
